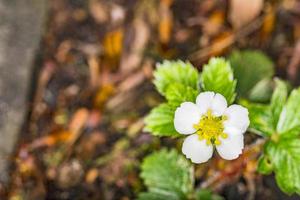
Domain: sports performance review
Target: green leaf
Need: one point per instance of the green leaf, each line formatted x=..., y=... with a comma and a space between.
x=260, y=118
x=170, y=72
x=156, y=196
x=290, y=116
x=250, y=67
x=169, y=173
x=291, y=133
x=264, y=118
x=284, y=156
x=160, y=121
x=262, y=91
x=264, y=165
x=278, y=101
x=205, y=194
x=217, y=76
x=178, y=93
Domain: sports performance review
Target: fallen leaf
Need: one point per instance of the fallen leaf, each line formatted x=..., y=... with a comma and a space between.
x=132, y=81
x=77, y=122
x=165, y=24
x=63, y=51
x=103, y=94
x=214, y=23
x=242, y=12
x=89, y=144
x=136, y=39
x=113, y=42
x=51, y=139
x=94, y=67
x=99, y=11
x=217, y=47
x=293, y=67
x=268, y=23
x=297, y=29
x=91, y=175
x=94, y=119
x=135, y=128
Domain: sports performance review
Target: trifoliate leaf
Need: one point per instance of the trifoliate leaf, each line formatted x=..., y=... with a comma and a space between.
x=160, y=121
x=217, y=76
x=205, y=194
x=250, y=67
x=260, y=118
x=289, y=119
x=170, y=72
x=278, y=101
x=264, y=117
x=284, y=156
x=280, y=122
x=179, y=93
x=169, y=173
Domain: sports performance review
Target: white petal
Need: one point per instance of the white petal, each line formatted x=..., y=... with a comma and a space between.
x=204, y=100
x=233, y=130
x=231, y=147
x=218, y=105
x=185, y=117
x=197, y=150
x=237, y=117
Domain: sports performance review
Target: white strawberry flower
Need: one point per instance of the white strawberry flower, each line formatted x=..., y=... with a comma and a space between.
x=211, y=123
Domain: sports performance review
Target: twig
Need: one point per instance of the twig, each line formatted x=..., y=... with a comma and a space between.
x=217, y=47
x=292, y=68
x=237, y=167
x=251, y=185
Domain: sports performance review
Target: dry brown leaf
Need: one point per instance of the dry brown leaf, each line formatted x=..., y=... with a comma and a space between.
x=293, y=67
x=90, y=143
x=94, y=119
x=77, y=122
x=242, y=12
x=63, y=51
x=138, y=35
x=113, y=42
x=220, y=43
x=165, y=24
x=45, y=76
x=165, y=28
x=91, y=175
x=218, y=46
x=51, y=140
x=214, y=22
x=297, y=29
x=99, y=11
x=106, y=91
x=94, y=66
x=268, y=23
x=167, y=2
x=132, y=81
x=223, y=172
x=135, y=128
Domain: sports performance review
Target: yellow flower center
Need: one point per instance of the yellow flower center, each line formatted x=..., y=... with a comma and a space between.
x=211, y=128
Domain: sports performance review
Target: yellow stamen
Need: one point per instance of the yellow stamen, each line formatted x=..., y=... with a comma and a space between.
x=224, y=135
x=211, y=128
